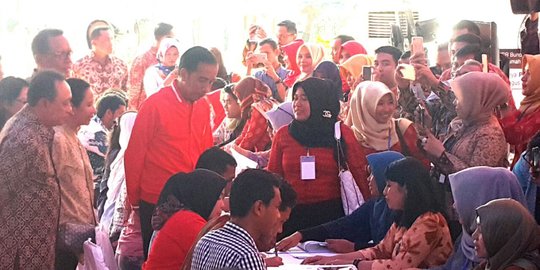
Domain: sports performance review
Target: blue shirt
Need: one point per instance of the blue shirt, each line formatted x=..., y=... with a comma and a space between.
x=261, y=75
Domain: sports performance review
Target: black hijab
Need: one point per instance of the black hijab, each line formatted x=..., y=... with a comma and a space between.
x=197, y=191
x=318, y=129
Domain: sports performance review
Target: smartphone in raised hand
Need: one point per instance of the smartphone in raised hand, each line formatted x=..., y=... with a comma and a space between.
x=366, y=73
x=417, y=45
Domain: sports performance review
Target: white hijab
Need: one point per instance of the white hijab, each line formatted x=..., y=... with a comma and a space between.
x=117, y=175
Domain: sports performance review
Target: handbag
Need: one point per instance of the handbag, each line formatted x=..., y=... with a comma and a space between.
x=351, y=197
x=71, y=236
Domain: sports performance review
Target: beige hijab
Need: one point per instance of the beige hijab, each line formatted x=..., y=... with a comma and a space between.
x=355, y=64
x=361, y=119
x=531, y=102
x=317, y=54
x=478, y=94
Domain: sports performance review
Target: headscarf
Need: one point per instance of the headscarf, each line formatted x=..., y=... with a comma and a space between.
x=476, y=186
x=378, y=163
x=317, y=54
x=165, y=44
x=318, y=129
x=478, y=94
x=197, y=191
x=291, y=50
x=117, y=173
x=353, y=48
x=361, y=119
x=509, y=232
x=354, y=64
x=328, y=70
x=531, y=102
x=250, y=90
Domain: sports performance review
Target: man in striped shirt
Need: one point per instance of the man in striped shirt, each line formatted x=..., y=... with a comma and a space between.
x=254, y=203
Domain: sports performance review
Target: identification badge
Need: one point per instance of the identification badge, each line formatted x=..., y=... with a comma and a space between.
x=442, y=178
x=307, y=167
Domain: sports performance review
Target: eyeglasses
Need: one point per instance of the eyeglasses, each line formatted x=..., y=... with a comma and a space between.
x=62, y=55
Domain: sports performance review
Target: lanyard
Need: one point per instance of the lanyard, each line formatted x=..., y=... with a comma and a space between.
x=389, y=138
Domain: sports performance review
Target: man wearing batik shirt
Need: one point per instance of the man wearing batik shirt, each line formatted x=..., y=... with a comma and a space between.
x=94, y=136
x=100, y=69
x=141, y=63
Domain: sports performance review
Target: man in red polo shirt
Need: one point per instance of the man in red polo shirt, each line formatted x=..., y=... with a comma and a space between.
x=172, y=129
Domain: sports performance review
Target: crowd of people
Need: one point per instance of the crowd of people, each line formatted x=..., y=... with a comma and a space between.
x=446, y=164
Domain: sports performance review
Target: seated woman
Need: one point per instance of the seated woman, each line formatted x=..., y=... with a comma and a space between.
x=13, y=92
x=254, y=97
x=194, y=198
x=507, y=236
x=472, y=188
x=232, y=125
x=520, y=125
x=371, y=118
x=419, y=237
x=165, y=72
x=366, y=226
x=310, y=139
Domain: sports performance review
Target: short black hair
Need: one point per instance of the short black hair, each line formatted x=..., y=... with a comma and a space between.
x=191, y=59
x=393, y=51
x=43, y=85
x=344, y=38
x=288, y=196
x=250, y=186
x=110, y=101
x=219, y=83
x=78, y=90
x=40, y=43
x=10, y=89
x=270, y=41
x=162, y=29
x=422, y=196
x=470, y=39
x=471, y=26
x=405, y=55
x=215, y=159
x=470, y=49
x=96, y=32
x=290, y=25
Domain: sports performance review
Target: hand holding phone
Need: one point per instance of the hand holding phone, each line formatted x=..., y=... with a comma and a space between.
x=417, y=45
x=366, y=73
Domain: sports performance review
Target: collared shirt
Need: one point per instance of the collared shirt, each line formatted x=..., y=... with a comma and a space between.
x=113, y=74
x=228, y=247
x=136, y=92
x=168, y=137
x=263, y=76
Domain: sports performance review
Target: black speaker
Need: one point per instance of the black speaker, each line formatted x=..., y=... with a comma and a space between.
x=525, y=6
x=427, y=29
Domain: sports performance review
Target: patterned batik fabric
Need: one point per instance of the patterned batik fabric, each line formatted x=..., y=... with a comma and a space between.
x=114, y=74
x=139, y=66
x=29, y=194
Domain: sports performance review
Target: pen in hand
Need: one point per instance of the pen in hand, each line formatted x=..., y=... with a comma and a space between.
x=275, y=249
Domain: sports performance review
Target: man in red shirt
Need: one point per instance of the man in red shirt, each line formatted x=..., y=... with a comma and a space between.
x=171, y=131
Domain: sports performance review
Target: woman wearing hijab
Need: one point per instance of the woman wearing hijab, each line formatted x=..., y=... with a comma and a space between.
x=289, y=58
x=308, y=57
x=366, y=226
x=329, y=71
x=351, y=72
x=254, y=97
x=351, y=48
x=476, y=138
x=192, y=199
x=520, y=125
x=472, y=188
x=309, y=140
x=419, y=236
x=165, y=72
x=371, y=118
x=507, y=236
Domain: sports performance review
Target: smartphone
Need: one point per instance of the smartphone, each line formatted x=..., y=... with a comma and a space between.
x=417, y=45
x=485, y=63
x=260, y=58
x=407, y=71
x=366, y=73
x=421, y=112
